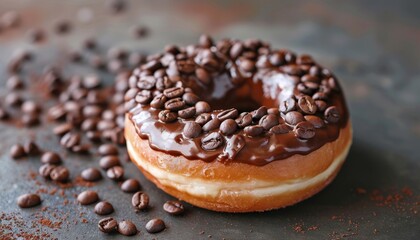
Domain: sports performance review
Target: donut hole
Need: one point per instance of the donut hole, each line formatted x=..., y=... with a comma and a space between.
x=221, y=93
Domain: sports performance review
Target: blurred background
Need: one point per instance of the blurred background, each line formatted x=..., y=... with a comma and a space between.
x=372, y=47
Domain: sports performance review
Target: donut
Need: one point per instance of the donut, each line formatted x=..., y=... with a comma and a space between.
x=236, y=126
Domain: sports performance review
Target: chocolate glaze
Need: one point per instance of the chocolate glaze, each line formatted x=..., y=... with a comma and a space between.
x=266, y=87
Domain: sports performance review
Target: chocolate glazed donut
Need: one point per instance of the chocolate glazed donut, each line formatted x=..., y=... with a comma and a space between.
x=236, y=126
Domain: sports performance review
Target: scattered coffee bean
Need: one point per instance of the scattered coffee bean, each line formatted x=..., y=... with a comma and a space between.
x=244, y=120
x=17, y=151
x=14, y=82
x=108, y=149
x=70, y=140
x=155, y=225
x=228, y=127
x=104, y=208
x=228, y=114
x=279, y=129
x=87, y=197
x=175, y=104
x=91, y=175
x=109, y=161
x=51, y=158
x=60, y=174
x=304, y=130
x=203, y=118
x=115, y=173
x=130, y=185
x=293, y=117
x=317, y=122
x=332, y=115
x=173, y=92
x=187, y=113
x=212, y=125
x=28, y=200
x=192, y=129
x=30, y=119
x=108, y=225
x=127, y=228
x=140, y=201
x=46, y=169
x=173, y=207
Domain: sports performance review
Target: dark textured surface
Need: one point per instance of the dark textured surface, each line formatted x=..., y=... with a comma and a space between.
x=371, y=46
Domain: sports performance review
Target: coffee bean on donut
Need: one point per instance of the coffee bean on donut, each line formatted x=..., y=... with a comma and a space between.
x=304, y=130
x=279, y=129
x=146, y=83
x=321, y=105
x=187, y=113
x=332, y=115
x=244, y=120
x=228, y=127
x=203, y=118
x=202, y=107
x=192, y=130
x=174, y=104
x=212, y=141
x=144, y=97
x=203, y=76
x=254, y=131
x=269, y=121
x=226, y=114
x=212, y=125
x=317, y=122
x=173, y=92
x=307, y=105
x=293, y=117
x=190, y=98
x=158, y=101
x=259, y=113
x=167, y=116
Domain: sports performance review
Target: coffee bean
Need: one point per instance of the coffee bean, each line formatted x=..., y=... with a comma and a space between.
x=287, y=105
x=247, y=65
x=192, y=129
x=167, y=116
x=175, y=104
x=259, y=113
x=91, y=175
x=236, y=50
x=205, y=41
x=317, y=122
x=127, y=228
x=212, y=141
x=89, y=124
x=94, y=136
x=144, y=97
x=31, y=148
x=309, y=78
x=155, y=225
x=279, y=129
x=253, y=131
x=103, y=208
x=158, y=101
x=14, y=82
x=51, y=158
x=244, y=120
x=203, y=76
x=211, y=125
x=87, y=197
x=274, y=111
x=268, y=121
x=30, y=119
x=228, y=114
x=91, y=81
x=321, y=105
x=70, y=140
x=173, y=92
x=81, y=149
x=304, y=130
x=186, y=66
x=109, y=161
x=130, y=185
x=187, y=113
x=108, y=225
x=332, y=115
x=307, y=105
x=293, y=70
x=202, y=107
x=203, y=118
x=146, y=82
x=60, y=174
x=151, y=66
x=12, y=99
x=28, y=200
x=173, y=207
x=115, y=173
x=228, y=127
x=107, y=149
x=46, y=169
x=277, y=59
x=17, y=151
x=57, y=113
x=106, y=125
x=140, y=201
x=190, y=98
x=293, y=117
